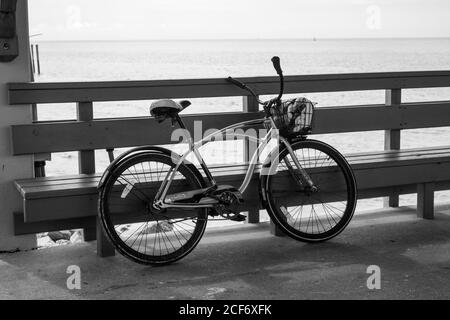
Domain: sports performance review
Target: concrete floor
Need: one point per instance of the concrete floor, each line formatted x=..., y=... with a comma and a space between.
x=248, y=263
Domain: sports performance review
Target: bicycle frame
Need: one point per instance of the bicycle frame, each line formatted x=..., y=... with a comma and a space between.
x=194, y=149
x=303, y=179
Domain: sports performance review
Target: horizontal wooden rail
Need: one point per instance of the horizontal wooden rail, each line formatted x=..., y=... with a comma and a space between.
x=27, y=93
x=117, y=133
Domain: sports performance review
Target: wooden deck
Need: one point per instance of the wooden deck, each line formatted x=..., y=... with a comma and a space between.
x=246, y=262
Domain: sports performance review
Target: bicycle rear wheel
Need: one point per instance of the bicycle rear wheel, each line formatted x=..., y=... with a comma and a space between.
x=305, y=215
x=139, y=231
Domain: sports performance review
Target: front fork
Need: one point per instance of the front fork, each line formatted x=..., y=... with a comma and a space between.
x=303, y=179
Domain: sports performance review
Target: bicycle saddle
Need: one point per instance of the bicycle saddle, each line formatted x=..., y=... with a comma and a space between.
x=163, y=109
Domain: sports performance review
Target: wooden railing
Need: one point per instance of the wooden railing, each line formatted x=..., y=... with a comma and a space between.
x=100, y=134
x=88, y=134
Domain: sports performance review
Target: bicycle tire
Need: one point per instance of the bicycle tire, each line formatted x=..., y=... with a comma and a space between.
x=290, y=222
x=139, y=194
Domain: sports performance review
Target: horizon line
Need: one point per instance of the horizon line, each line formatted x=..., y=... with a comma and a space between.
x=244, y=39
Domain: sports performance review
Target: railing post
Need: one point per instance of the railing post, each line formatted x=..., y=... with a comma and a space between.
x=392, y=138
x=38, y=62
x=425, y=201
x=86, y=164
x=33, y=68
x=86, y=158
x=250, y=104
x=40, y=161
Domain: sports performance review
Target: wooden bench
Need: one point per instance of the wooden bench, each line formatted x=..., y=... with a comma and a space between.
x=71, y=201
x=378, y=174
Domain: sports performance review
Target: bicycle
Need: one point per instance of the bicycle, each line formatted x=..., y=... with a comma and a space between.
x=154, y=204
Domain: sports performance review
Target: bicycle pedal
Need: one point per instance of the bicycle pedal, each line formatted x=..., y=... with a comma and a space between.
x=238, y=217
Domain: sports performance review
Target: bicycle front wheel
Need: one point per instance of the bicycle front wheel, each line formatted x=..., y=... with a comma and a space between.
x=304, y=214
x=135, y=227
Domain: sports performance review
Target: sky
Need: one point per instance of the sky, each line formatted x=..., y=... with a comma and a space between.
x=237, y=19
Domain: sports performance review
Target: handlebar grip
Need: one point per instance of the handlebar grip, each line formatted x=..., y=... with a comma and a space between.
x=277, y=65
x=236, y=83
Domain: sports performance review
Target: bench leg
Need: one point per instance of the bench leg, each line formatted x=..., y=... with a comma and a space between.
x=274, y=230
x=425, y=201
x=104, y=246
x=90, y=234
x=391, y=201
x=253, y=216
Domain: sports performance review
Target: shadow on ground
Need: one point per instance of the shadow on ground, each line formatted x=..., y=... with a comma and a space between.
x=248, y=263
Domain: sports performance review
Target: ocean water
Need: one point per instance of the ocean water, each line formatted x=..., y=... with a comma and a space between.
x=103, y=61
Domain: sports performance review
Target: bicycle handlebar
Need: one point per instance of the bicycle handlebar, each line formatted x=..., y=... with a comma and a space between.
x=237, y=83
x=277, y=65
x=243, y=86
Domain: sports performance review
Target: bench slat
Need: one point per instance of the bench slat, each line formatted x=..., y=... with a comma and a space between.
x=376, y=172
x=86, y=184
x=379, y=180
x=123, y=133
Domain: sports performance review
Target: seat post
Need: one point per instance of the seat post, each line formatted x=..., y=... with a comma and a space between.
x=180, y=122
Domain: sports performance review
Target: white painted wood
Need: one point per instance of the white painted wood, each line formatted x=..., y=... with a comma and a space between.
x=13, y=167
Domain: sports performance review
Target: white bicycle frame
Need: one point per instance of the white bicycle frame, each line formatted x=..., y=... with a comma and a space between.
x=193, y=149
